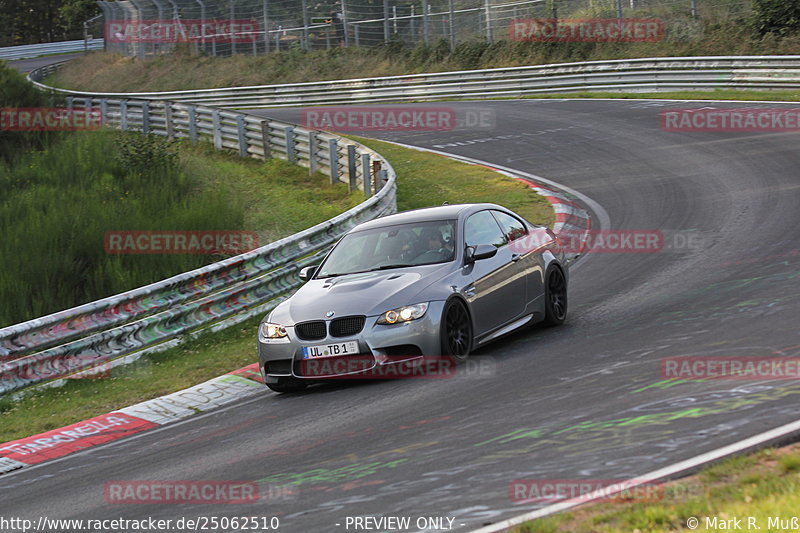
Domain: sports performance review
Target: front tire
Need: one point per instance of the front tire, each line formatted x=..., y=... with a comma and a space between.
x=456, y=330
x=555, y=298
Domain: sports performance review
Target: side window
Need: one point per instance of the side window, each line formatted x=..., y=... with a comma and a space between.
x=513, y=228
x=482, y=228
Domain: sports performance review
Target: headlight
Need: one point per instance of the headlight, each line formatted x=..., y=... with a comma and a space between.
x=403, y=314
x=269, y=330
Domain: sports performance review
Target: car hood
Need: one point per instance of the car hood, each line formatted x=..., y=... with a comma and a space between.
x=368, y=293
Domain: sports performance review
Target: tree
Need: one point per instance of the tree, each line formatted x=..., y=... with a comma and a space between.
x=776, y=16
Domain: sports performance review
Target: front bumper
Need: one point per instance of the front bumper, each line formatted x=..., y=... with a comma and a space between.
x=378, y=344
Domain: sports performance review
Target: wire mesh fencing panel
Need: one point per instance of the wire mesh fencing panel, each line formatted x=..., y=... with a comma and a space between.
x=144, y=28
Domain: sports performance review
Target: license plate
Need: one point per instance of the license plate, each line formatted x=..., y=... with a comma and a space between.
x=330, y=350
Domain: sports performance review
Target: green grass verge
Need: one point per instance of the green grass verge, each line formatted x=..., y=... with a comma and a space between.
x=424, y=179
x=133, y=182
x=764, y=485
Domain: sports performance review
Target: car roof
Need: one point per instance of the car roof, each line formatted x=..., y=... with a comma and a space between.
x=442, y=212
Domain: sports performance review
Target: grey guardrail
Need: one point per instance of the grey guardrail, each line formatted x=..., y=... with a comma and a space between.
x=629, y=75
x=151, y=318
x=10, y=53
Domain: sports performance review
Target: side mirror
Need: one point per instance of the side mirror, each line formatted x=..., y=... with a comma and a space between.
x=481, y=251
x=306, y=273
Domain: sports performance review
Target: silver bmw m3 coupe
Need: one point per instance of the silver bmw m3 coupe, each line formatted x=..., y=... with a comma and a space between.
x=438, y=281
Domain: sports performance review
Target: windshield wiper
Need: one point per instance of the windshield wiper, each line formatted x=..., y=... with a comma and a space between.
x=382, y=267
x=387, y=267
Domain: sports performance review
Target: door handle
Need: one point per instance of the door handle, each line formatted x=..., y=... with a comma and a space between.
x=516, y=257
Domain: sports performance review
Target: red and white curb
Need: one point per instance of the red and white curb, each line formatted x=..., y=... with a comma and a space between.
x=571, y=216
x=216, y=392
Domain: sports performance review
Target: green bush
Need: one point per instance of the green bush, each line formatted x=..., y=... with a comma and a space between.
x=776, y=16
x=18, y=92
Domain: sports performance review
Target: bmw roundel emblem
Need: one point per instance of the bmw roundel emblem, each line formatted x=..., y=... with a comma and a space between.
x=329, y=314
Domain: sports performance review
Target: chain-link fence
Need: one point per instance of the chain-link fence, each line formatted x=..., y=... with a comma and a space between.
x=223, y=27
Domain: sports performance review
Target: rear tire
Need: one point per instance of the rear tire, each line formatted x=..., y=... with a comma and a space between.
x=555, y=298
x=288, y=385
x=456, y=330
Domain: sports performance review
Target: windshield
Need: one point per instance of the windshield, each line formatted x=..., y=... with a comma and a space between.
x=403, y=245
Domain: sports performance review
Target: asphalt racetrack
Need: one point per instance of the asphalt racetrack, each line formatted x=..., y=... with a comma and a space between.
x=587, y=400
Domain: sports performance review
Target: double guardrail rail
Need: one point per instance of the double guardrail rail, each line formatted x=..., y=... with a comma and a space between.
x=624, y=75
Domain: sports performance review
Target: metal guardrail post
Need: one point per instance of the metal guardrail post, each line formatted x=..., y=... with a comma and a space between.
x=265, y=139
x=366, y=175
x=69, y=102
x=288, y=133
x=192, y=110
x=352, y=166
x=169, y=120
x=104, y=111
x=333, y=157
x=216, y=128
x=123, y=115
x=145, y=117
x=242, y=133
x=312, y=152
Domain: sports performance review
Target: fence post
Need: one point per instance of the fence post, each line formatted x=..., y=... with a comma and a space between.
x=70, y=102
x=413, y=23
x=145, y=117
x=425, y=22
x=305, y=24
x=168, y=119
x=266, y=26
x=312, y=152
x=386, y=21
x=333, y=156
x=265, y=138
x=355, y=33
x=242, y=133
x=233, y=17
x=288, y=133
x=216, y=129
x=451, y=25
x=352, y=166
x=344, y=24
x=366, y=174
x=488, y=16
x=192, y=124
x=123, y=115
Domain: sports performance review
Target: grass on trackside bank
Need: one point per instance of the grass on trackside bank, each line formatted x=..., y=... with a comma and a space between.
x=58, y=203
x=100, y=71
x=764, y=485
x=423, y=180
